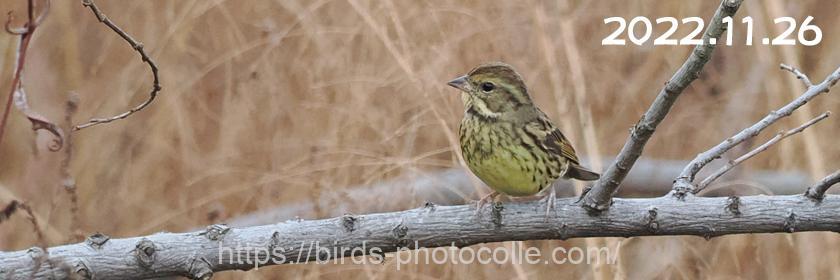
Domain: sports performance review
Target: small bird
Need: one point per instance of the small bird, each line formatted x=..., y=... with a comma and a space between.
x=507, y=141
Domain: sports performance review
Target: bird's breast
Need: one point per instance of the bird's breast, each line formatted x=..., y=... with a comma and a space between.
x=496, y=153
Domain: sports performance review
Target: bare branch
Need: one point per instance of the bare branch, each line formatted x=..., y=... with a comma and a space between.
x=781, y=135
x=197, y=254
x=8, y=210
x=817, y=192
x=683, y=183
x=798, y=74
x=39, y=121
x=15, y=205
x=598, y=198
x=137, y=46
x=67, y=180
x=17, y=95
x=10, y=29
x=456, y=186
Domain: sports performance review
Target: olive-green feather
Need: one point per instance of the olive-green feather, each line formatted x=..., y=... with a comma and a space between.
x=506, y=140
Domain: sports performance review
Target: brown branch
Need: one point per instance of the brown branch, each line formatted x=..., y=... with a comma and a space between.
x=137, y=46
x=8, y=210
x=13, y=207
x=781, y=135
x=600, y=195
x=817, y=192
x=38, y=260
x=17, y=95
x=67, y=180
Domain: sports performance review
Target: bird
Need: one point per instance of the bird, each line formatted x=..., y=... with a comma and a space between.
x=507, y=141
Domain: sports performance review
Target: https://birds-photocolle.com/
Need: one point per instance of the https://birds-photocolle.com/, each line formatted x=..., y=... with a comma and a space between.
x=507, y=141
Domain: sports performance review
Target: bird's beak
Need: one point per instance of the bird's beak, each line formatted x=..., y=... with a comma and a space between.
x=461, y=83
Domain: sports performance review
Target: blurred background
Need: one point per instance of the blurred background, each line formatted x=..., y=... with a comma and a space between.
x=271, y=103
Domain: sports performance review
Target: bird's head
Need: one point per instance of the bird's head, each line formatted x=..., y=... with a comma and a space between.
x=492, y=89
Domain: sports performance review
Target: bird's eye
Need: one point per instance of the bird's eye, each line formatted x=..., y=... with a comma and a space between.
x=487, y=86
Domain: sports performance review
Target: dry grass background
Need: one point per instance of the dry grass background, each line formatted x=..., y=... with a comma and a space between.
x=267, y=102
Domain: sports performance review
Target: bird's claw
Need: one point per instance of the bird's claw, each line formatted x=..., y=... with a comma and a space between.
x=550, y=201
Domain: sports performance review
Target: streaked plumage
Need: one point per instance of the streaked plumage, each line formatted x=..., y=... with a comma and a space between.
x=506, y=140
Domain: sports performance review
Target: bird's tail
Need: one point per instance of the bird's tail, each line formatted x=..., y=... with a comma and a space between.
x=581, y=173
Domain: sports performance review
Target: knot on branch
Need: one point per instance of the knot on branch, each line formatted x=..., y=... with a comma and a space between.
x=348, y=223
x=643, y=128
x=701, y=54
x=216, y=232
x=274, y=242
x=69, y=184
x=145, y=252
x=710, y=232
x=400, y=231
x=652, y=224
x=733, y=204
x=430, y=206
x=563, y=231
x=323, y=256
x=812, y=195
x=682, y=188
x=790, y=221
x=82, y=271
x=97, y=240
x=36, y=253
x=732, y=4
x=200, y=269
x=139, y=48
x=496, y=214
x=593, y=208
x=672, y=88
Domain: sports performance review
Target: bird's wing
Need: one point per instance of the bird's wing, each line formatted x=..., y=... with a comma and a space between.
x=551, y=138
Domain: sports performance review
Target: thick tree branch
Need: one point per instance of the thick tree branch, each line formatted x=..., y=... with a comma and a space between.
x=683, y=184
x=598, y=198
x=817, y=192
x=197, y=254
x=455, y=186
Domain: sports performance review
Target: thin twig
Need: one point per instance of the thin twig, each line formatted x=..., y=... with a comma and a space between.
x=15, y=205
x=683, y=184
x=600, y=195
x=17, y=95
x=8, y=210
x=781, y=135
x=817, y=192
x=137, y=46
x=38, y=258
x=42, y=242
x=67, y=180
x=798, y=74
